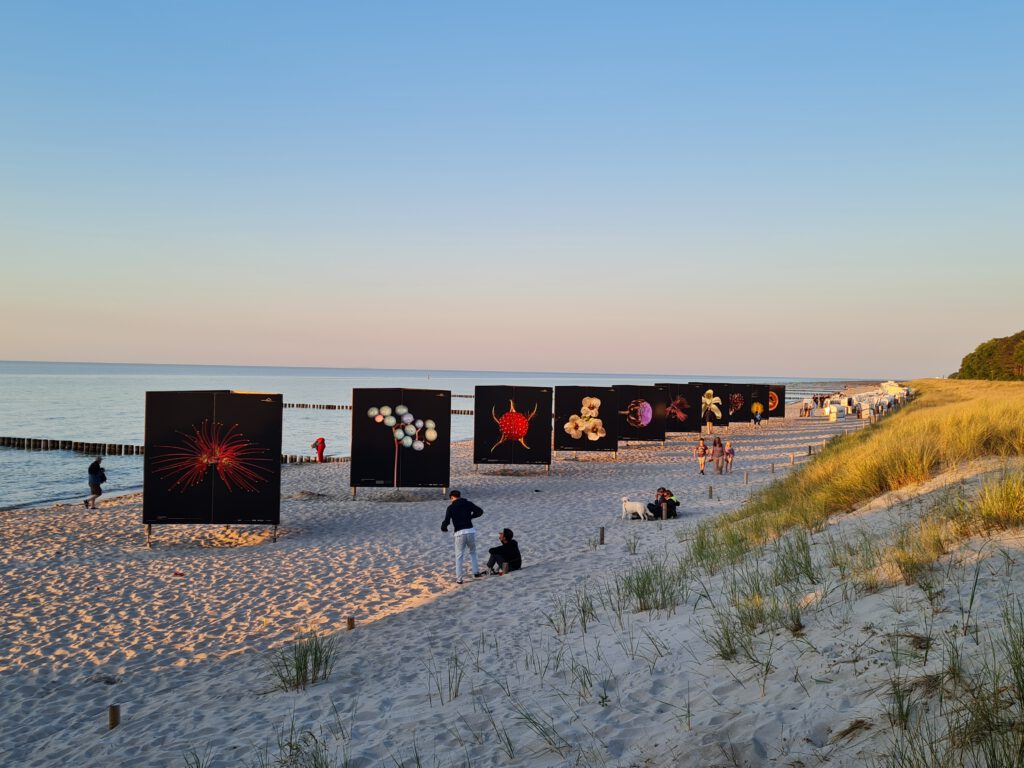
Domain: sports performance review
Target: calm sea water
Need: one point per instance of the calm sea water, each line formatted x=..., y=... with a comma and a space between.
x=99, y=402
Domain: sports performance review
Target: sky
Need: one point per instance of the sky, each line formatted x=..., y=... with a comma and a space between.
x=748, y=188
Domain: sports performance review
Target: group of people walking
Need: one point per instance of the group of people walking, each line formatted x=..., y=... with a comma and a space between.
x=721, y=455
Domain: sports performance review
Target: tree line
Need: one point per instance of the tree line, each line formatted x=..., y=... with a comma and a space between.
x=1001, y=359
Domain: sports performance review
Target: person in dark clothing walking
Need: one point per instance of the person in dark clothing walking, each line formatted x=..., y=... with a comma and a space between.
x=506, y=557
x=460, y=514
x=96, y=478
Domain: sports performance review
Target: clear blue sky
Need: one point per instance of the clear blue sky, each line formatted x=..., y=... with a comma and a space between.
x=737, y=188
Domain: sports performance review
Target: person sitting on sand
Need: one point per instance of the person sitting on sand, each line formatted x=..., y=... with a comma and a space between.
x=730, y=454
x=701, y=452
x=665, y=504
x=505, y=557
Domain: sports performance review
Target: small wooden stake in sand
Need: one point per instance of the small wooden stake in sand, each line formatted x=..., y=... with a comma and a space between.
x=746, y=478
x=773, y=467
x=711, y=492
x=113, y=716
x=600, y=535
x=792, y=458
x=810, y=450
x=350, y=623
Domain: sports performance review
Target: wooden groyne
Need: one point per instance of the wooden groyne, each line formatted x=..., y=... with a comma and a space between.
x=78, y=446
x=121, y=449
x=292, y=458
x=333, y=407
x=319, y=406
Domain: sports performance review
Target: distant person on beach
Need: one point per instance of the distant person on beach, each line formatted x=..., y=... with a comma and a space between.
x=460, y=514
x=96, y=478
x=320, y=445
x=665, y=504
x=730, y=454
x=701, y=452
x=505, y=557
x=718, y=454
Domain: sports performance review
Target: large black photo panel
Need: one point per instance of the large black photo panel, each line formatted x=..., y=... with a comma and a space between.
x=714, y=403
x=212, y=457
x=512, y=425
x=401, y=438
x=586, y=419
x=249, y=490
x=759, y=400
x=777, y=401
x=737, y=402
x=641, y=411
x=683, y=411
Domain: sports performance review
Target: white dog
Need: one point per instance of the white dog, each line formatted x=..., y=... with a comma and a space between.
x=630, y=508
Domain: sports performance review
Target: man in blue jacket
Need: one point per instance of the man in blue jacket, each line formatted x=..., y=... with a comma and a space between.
x=460, y=514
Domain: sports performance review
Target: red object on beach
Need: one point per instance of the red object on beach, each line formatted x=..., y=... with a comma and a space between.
x=178, y=573
x=320, y=444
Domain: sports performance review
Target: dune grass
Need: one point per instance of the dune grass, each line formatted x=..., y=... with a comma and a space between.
x=948, y=423
x=305, y=661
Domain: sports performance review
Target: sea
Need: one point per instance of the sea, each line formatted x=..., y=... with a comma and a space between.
x=105, y=403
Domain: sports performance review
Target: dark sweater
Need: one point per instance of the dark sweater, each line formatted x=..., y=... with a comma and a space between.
x=508, y=553
x=460, y=514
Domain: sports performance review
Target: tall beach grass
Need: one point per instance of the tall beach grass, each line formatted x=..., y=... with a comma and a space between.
x=948, y=423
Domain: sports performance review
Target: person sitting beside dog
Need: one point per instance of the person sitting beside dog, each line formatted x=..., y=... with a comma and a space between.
x=505, y=557
x=664, y=501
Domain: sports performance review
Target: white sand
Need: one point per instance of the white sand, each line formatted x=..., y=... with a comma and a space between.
x=90, y=617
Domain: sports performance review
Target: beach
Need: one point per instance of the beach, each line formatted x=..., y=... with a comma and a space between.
x=537, y=667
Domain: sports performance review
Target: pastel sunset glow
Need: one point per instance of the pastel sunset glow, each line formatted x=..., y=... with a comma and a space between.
x=745, y=189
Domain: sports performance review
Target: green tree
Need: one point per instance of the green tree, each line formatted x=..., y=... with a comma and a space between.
x=1001, y=358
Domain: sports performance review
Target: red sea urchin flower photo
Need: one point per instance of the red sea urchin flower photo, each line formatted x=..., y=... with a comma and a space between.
x=235, y=458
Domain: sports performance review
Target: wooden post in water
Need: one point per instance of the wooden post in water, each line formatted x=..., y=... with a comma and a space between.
x=600, y=535
x=711, y=492
x=350, y=623
x=746, y=477
x=113, y=716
